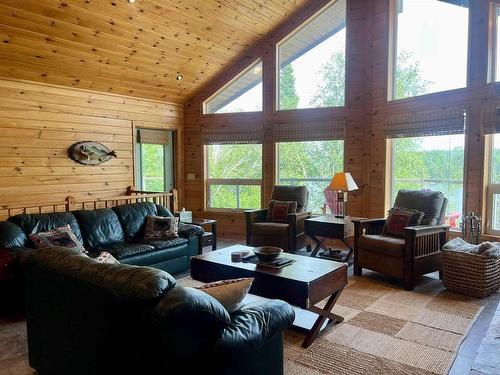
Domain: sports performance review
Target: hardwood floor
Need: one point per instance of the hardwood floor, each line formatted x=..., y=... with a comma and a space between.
x=478, y=354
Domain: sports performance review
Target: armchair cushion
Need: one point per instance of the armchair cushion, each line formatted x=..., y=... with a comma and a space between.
x=270, y=229
x=279, y=210
x=431, y=203
x=386, y=245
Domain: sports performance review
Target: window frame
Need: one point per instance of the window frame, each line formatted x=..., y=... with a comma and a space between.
x=491, y=188
x=228, y=83
x=493, y=44
x=278, y=69
x=138, y=162
x=230, y=182
x=393, y=56
x=391, y=159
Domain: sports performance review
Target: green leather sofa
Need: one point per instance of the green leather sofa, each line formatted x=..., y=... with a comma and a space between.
x=118, y=230
x=85, y=317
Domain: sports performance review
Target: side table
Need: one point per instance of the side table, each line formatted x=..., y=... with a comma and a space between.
x=323, y=227
x=208, y=238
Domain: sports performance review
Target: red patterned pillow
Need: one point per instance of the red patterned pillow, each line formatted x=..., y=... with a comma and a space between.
x=279, y=210
x=61, y=236
x=399, y=218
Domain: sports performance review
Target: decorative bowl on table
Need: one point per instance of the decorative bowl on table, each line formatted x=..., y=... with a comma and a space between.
x=267, y=253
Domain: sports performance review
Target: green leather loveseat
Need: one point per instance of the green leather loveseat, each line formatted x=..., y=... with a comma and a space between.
x=118, y=230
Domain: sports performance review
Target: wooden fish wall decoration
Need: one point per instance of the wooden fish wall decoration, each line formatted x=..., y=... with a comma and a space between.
x=90, y=153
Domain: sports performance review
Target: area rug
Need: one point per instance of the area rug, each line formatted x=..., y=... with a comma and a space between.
x=386, y=331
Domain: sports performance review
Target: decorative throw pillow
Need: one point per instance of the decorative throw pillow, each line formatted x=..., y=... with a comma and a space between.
x=399, y=218
x=228, y=292
x=105, y=257
x=158, y=227
x=279, y=210
x=61, y=236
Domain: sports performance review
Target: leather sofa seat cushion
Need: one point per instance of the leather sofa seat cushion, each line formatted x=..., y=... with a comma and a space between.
x=431, y=203
x=165, y=244
x=270, y=229
x=133, y=218
x=123, y=281
x=126, y=249
x=11, y=235
x=36, y=223
x=391, y=246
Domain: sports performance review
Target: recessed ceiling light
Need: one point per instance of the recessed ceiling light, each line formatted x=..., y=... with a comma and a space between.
x=257, y=70
x=179, y=77
x=131, y=1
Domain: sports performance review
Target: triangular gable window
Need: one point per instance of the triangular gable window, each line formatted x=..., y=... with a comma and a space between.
x=242, y=94
x=312, y=61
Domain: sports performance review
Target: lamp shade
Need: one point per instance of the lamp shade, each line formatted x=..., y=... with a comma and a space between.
x=342, y=181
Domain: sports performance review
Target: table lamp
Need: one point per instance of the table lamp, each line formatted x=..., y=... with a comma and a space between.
x=342, y=182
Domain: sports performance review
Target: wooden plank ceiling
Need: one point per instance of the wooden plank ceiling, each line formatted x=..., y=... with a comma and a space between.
x=135, y=49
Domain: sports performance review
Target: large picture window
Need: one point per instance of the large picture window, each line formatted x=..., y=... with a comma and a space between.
x=429, y=52
x=234, y=176
x=435, y=163
x=312, y=61
x=312, y=164
x=242, y=94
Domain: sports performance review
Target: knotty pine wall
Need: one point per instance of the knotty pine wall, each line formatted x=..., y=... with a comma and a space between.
x=39, y=121
x=365, y=110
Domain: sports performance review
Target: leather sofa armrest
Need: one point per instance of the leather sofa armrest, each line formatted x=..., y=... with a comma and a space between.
x=190, y=230
x=251, y=217
x=189, y=304
x=254, y=324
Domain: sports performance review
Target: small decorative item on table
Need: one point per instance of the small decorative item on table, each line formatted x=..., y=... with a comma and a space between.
x=268, y=256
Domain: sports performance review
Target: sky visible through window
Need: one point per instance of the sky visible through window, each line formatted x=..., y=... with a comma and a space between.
x=435, y=35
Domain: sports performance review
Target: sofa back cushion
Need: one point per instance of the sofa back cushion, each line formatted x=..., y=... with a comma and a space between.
x=126, y=282
x=11, y=235
x=99, y=227
x=36, y=223
x=163, y=211
x=133, y=218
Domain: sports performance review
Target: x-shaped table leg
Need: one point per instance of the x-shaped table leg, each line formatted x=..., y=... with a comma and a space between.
x=324, y=313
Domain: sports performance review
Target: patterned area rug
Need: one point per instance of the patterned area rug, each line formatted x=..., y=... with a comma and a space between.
x=386, y=331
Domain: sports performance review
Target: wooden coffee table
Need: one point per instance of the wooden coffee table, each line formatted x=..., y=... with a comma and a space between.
x=304, y=283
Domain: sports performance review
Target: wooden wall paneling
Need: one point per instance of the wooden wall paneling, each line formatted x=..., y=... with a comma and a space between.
x=39, y=122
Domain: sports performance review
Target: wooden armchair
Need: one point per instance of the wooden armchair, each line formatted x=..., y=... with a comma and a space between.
x=418, y=253
x=289, y=236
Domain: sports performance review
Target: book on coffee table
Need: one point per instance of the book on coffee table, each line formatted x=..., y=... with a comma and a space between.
x=277, y=263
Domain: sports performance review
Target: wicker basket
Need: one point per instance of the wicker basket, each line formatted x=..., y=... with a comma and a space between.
x=472, y=274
